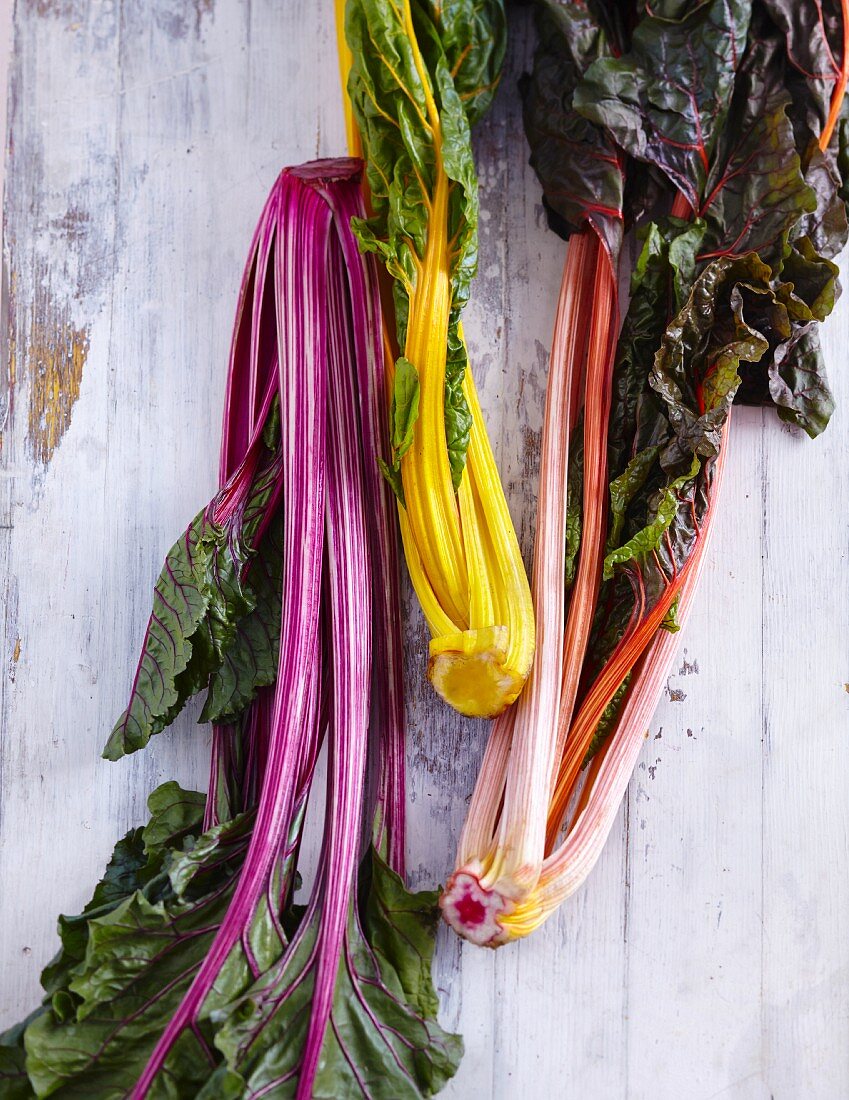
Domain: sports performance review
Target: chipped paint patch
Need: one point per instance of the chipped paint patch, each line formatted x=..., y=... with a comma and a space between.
x=202, y=8
x=53, y=365
x=46, y=350
x=58, y=9
x=7, y=378
x=176, y=20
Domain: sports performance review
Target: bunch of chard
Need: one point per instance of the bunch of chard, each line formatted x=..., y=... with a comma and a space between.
x=716, y=130
x=193, y=971
x=418, y=74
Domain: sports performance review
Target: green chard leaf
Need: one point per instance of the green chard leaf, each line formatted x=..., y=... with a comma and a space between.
x=624, y=488
x=462, y=47
x=809, y=282
x=796, y=41
x=574, y=500
x=798, y=384
x=810, y=29
x=670, y=622
x=405, y=407
x=695, y=369
x=458, y=419
x=403, y=414
x=250, y=662
x=128, y=958
x=382, y=1040
x=207, y=607
x=826, y=227
x=662, y=511
x=474, y=37
x=660, y=285
x=607, y=722
x=14, y=1083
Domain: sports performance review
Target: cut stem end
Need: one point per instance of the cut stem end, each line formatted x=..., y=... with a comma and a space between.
x=474, y=912
x=470, y=671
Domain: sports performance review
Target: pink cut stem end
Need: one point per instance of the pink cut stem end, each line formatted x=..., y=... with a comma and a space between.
x=474, y=911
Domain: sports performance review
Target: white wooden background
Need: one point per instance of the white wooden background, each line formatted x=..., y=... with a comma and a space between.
x=708, y=956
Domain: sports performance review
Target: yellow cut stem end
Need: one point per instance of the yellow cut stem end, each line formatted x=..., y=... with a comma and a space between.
x=469, y=671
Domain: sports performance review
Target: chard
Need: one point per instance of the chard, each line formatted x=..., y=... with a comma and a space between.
x=726, y=299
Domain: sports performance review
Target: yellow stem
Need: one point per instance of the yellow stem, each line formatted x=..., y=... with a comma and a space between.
x=461, y=549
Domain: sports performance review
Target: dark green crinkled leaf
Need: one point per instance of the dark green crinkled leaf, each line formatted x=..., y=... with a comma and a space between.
x=665, y=267
x=805, y=66
x=666, y=100
x=812, y=32
x=625, y=487
x=756, y=191
x=695, y=369
x=827, y=226
x=669, y=411
x=383, y=1018
x=662, y=511
x=814, y=279
x=798, y=383
x=795, y=379
x=577, y=162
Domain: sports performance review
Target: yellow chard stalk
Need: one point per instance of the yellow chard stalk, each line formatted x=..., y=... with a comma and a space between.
x=417, y=74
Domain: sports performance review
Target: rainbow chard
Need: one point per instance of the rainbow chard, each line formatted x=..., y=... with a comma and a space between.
x=192, y=971
x=700, y=101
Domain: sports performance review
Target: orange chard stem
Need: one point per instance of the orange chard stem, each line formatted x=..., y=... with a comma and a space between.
x=840, y=86
x=681, y=207
x=597, y=399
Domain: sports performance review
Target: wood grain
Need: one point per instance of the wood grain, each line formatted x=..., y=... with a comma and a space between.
x=708, y=956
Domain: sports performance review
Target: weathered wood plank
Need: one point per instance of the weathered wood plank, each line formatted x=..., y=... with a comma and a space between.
x=805, y=759
x=708, y=955
x=695, y=825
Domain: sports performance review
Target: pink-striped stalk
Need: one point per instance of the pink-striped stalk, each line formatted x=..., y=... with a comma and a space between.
x=501, y=849
x=567, y=868
x=388, y=646
x=349, y=582
x=604, y=326
x=504, y=918
x=302, y=226
x=326, y=316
